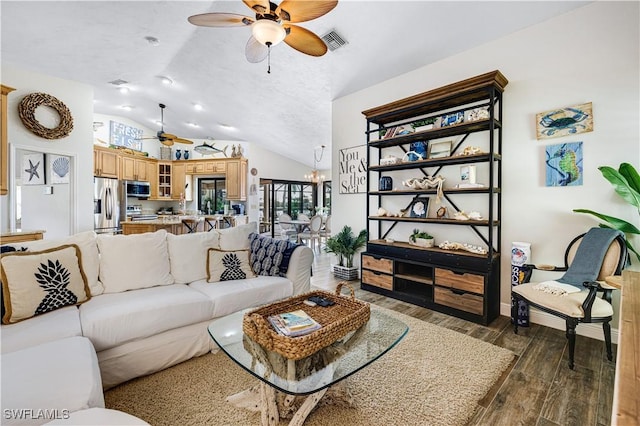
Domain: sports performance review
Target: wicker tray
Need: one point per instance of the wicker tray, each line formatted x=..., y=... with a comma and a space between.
x=347, y=314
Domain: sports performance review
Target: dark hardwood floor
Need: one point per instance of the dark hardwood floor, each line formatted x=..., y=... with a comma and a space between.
x=538, y=388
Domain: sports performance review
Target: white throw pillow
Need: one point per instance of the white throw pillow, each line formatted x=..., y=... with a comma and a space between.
x=86, y=241
x=37, y=282
x=129, y=262
x=228, y=265
x=188, y=255
x=237, y=237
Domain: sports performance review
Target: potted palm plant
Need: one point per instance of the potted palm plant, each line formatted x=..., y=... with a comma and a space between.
x=345, y=244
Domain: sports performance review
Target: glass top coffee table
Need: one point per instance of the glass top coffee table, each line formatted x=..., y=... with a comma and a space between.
x=312, y=376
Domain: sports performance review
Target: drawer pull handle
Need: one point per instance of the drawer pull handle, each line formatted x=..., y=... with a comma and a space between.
x=458, y=292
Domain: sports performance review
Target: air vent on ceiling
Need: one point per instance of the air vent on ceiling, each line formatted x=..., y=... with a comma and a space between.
x=118, y=82
x=333, y=40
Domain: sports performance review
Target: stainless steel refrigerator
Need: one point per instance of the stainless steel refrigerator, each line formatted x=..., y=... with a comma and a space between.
x=106, y=207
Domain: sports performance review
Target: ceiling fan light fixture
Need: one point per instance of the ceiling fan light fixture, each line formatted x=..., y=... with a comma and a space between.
x=268, y=32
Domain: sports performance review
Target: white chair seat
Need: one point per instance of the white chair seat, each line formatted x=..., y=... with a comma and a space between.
x=567, y=304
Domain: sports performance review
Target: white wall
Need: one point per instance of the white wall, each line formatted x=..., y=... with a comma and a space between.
x=588, y=55
x=79, y=99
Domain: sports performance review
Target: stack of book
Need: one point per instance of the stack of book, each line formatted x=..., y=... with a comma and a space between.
x=294, y=324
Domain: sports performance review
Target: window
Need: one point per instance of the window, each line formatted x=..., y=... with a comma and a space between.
x=290, y=197
x=212, y=194
x=326, y=197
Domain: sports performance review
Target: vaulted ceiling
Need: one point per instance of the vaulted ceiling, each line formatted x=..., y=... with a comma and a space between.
x=287, y=111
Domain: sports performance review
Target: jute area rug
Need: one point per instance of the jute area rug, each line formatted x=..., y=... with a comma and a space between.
x=434, y=376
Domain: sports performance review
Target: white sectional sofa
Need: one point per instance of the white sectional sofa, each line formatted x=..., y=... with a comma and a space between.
x=150, y=305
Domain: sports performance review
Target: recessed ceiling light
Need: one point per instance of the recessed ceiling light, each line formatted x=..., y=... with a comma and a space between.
x=159, y=123
x=227, y=126
x=124, y=90
x=192, y=124
x=197, y=107
x=126, y=107
x=152, y=40
x=166, y=80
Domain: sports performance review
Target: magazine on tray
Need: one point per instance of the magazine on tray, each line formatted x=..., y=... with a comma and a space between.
x=294, y=324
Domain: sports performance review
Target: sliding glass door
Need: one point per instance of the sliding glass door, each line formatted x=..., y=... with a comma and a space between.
x=290, y=197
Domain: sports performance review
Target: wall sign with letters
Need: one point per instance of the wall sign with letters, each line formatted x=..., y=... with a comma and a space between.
x=352, y=164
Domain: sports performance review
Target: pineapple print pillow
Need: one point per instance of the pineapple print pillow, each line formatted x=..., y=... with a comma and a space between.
x=38, y=282
x=228, y=265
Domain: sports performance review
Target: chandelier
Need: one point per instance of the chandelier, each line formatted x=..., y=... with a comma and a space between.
x=315, y=176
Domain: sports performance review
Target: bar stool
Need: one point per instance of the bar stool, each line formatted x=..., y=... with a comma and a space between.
x=212, y=222
x=191, y=225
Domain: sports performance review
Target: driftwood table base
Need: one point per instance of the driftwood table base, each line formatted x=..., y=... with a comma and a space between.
x=275, y=405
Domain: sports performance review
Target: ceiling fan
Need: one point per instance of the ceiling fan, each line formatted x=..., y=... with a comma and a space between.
x=167, y=138
x=272, y=24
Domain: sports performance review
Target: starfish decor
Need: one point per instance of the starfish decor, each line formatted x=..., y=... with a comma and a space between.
x=33, y=170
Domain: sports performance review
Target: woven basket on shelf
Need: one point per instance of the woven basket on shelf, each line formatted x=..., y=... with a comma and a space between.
x=347, y=314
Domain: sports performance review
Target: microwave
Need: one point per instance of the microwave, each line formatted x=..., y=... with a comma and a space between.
x=137, y=189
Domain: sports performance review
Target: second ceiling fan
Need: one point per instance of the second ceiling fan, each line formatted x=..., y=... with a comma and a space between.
x=167, y=139
x=272, y=24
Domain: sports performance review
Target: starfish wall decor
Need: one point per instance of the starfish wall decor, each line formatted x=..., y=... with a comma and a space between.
x=33, y=169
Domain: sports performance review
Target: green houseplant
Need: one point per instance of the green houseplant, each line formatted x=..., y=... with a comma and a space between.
x=421, y=238
x=626, y=183
x=345, y=244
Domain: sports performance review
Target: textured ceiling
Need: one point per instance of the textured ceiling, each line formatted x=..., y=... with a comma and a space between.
x=287, y=111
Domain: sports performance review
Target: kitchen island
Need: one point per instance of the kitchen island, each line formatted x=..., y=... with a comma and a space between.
x=172, y=224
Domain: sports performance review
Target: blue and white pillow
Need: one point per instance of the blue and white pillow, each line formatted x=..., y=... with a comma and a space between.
x=269, y=256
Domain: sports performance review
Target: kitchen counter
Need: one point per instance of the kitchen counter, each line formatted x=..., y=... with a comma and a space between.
x=173, y=224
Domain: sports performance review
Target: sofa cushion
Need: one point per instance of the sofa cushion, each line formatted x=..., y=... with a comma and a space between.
x=112, y=319
x=237, y=237
x=268, y=255
x=37, y=282
x=228, y=265
x=232, y=296
x=50, y=380
x=90, y=259
x=56, y=325
x=130, y=262
x=188, y=255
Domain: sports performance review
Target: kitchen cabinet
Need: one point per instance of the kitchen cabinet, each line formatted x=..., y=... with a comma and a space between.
x=133, y=168
x=105, y=162
x=4, y=143
x=178, y=179
x=456, y=282
x=164, y=180
x=206, y=167
x=236, y=179
x=152, y=174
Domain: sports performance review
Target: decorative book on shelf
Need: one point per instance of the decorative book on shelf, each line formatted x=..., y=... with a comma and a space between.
x=295, y=323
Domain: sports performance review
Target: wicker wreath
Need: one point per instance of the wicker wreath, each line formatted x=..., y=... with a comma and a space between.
x=27, y=109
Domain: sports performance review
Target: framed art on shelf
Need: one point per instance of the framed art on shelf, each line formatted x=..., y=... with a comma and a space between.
x=419, y=207
x=440, y=149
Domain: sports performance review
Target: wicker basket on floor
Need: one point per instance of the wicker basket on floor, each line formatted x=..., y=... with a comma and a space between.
x=346, y=315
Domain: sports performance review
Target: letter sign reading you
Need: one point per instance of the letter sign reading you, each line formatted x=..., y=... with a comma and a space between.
x=353, y=170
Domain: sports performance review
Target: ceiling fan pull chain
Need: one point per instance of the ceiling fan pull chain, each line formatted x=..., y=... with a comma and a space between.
x=268, y=58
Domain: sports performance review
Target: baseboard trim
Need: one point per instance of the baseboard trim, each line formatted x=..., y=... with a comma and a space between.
x=542, y=318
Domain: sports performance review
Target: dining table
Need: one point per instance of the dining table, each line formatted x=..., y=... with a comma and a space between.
x=300, y=225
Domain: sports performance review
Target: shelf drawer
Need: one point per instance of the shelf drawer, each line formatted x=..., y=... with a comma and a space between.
x=465, y=302
x=375, y=264
x=377, y=279
x=467, y=282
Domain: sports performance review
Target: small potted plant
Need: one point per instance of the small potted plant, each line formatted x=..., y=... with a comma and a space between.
x=345, y=244
x=421, y=238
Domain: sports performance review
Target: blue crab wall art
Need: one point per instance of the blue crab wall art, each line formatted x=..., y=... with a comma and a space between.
x=565, y=121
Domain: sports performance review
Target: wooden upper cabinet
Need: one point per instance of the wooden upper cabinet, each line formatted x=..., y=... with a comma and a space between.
x=132, y=168
x=4, y=148
x=236, y=179
x=194, y=168
x=178, y=179
x=206, y=167
x=105, y=162
x=152, y=174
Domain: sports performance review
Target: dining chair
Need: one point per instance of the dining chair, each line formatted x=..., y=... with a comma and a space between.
x=191, y=225
x=325, y=231
x=287, y=230
x=312, y=234
x=588, y=259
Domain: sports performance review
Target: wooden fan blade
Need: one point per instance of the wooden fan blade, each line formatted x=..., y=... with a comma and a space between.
x=167, y=142
x=220, y=20
x=261, y=7
x=167, y=136
x=304, y=41
x=301, y=11
x=255, y=51
x=150, y=137
x=185, y=141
